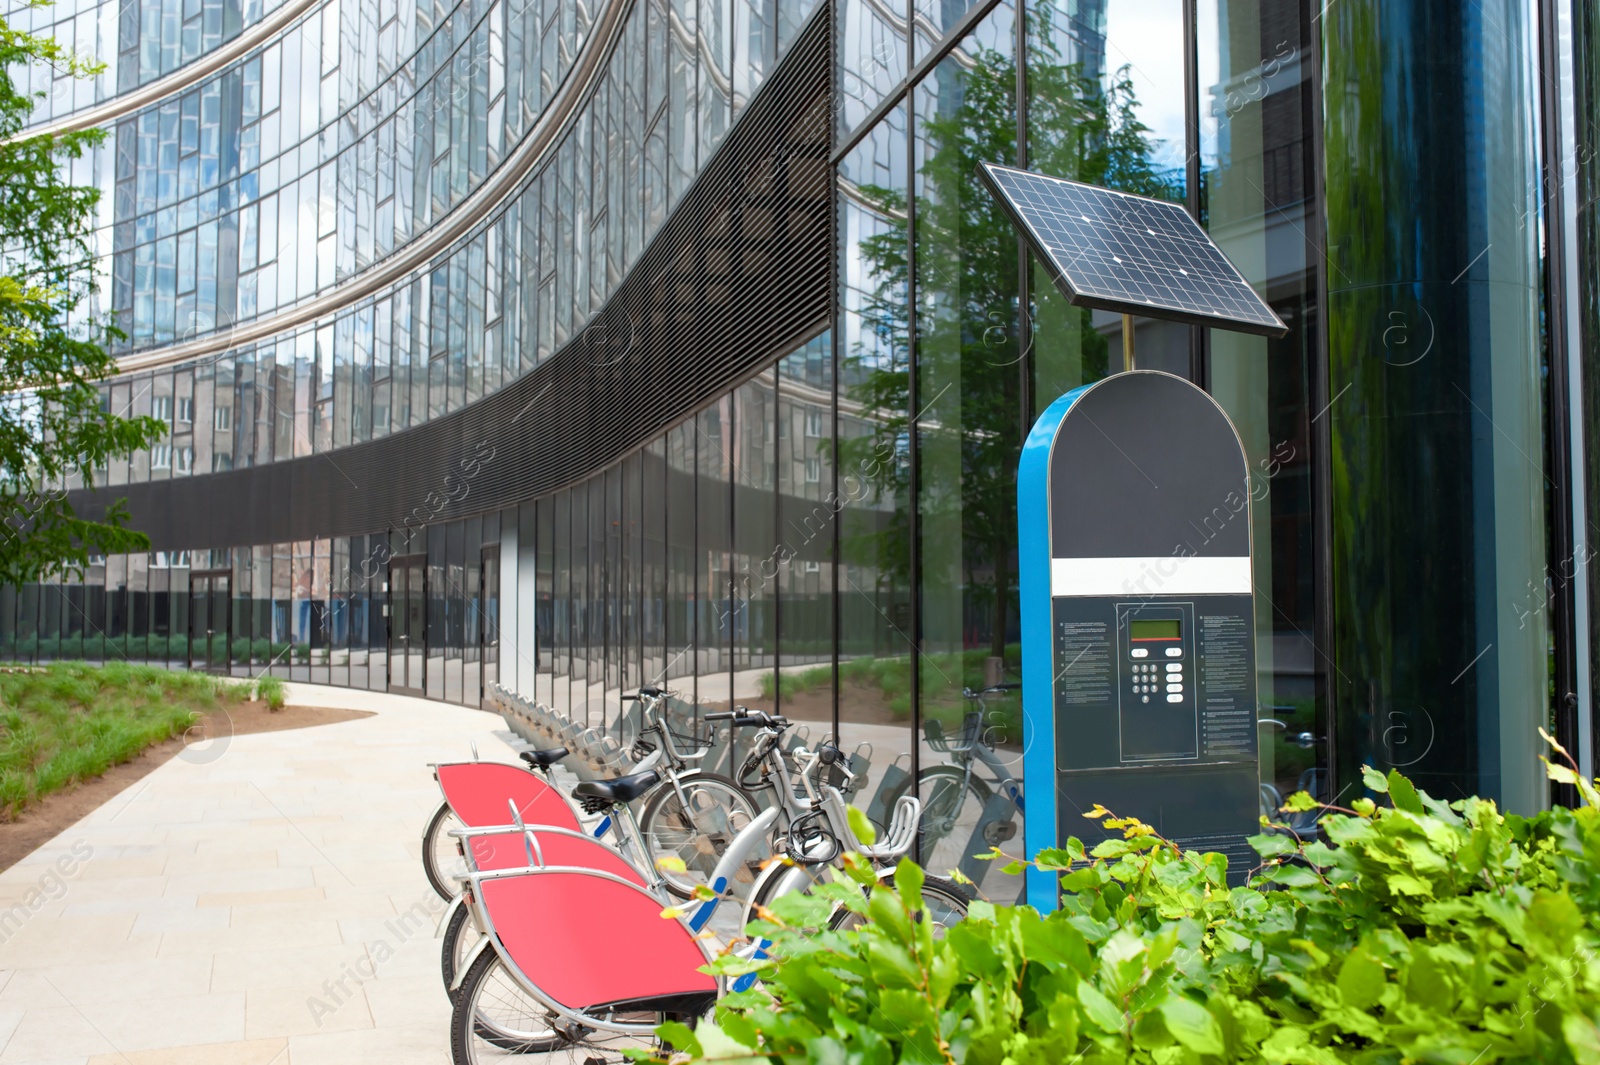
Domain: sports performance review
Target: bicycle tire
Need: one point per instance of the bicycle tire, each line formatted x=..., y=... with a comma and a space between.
x=460, y=936
x=484, y=976
x=939, y=896
x=701, y=845
x=435, y=837
x=939, y=829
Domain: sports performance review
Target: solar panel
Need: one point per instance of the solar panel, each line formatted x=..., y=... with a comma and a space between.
x=1129, y=254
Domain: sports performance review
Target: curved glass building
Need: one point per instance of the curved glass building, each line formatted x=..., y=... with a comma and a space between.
x=573, y=345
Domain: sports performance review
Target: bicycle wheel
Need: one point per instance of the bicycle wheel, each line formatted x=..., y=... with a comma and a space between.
x=460, y=936
x=697, y=829
x=952, y=803
x=492, y=1017
x=439, y=851
x=943, y=903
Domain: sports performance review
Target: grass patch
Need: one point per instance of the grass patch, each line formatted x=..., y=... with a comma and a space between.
x=71, y=721
x=887, y=681
x=270, y=690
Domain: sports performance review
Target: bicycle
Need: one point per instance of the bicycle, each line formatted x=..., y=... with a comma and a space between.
x=691, y=815
x=695, y=813
x=600, y=976
x=609, y=970
x=521, y=848
x=819, y=834
x=481, y=849
x=949, y=838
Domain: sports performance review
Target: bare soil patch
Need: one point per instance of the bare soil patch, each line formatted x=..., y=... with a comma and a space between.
x=42, y=821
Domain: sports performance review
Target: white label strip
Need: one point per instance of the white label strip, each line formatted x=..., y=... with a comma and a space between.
x=1138, y=577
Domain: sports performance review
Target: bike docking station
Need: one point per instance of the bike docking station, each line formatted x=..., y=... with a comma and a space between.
x=1137, y=603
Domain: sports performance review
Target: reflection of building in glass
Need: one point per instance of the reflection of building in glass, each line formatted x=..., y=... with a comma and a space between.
x=571, y=347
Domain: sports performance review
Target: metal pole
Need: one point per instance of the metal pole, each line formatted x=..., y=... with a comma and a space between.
x=1127, y=342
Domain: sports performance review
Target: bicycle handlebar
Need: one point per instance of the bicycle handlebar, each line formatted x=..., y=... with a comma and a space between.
x=747, y=718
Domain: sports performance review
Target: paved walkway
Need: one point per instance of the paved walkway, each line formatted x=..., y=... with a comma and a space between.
x=261, y=902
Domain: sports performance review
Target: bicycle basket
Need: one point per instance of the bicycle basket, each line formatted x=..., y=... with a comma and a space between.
x=971, y=726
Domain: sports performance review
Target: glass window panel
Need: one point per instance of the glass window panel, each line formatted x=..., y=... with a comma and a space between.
x=653, y=574
x=713, y=428
x=872, y=57
x=875, y=644
x=682, y=600
x=438, y=591
x=807, y=524
x=1446, y=581
x=756, y=558
x=580, y=604
x=552, y=609
x=1255, y=138
x=970, y=377
x=302, y=576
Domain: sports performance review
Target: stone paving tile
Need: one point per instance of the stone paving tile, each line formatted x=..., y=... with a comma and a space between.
x=416, y=1045
x=248, y=1052
x=305, y=1010
x=51, y=1033
x=167, y=1021
x=219, y=899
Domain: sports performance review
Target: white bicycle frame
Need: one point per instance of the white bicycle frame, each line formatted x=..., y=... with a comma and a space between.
x=799, y=873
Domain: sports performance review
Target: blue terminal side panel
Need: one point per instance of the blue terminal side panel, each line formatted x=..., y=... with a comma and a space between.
x=1038, y=710
x=1139, y=675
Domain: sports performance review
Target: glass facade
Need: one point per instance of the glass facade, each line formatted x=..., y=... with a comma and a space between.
x=832, y=534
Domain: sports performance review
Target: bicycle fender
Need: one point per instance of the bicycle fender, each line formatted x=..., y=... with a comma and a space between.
x=789, y=879
x=449, y=911
x=740, y=846
x=466, y=963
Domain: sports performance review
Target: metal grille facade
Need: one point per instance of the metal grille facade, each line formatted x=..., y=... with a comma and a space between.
x=736, y=277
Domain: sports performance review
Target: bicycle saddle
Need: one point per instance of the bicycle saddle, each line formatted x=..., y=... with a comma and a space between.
x=543, y=759
x=601, y=793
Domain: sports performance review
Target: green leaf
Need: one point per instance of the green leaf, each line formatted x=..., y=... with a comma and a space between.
x=1406, y=884
x=908, y=880
x=681, y=1036
x=1100, y=1009
x=670, y=863
x=1301, y=802
x=1192, y=1025
x=863, y=828
x=1361, y=980
x=1374, y=780
x=1404, y=794
x=1582, y=1038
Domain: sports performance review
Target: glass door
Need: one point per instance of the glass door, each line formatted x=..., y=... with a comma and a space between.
x=210, y=618
x=407, y=631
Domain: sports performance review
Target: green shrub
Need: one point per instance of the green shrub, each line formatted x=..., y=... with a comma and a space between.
x=1421, y=931
x=270, y=690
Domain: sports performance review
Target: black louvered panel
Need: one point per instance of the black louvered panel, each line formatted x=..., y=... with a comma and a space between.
x=738, y=276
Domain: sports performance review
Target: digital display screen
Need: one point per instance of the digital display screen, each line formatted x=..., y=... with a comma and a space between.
x=1162, y=629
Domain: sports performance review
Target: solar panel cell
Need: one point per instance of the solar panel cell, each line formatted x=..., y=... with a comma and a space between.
x=1129, y=254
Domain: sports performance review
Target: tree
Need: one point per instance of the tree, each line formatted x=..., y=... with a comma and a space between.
x=52, y=353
